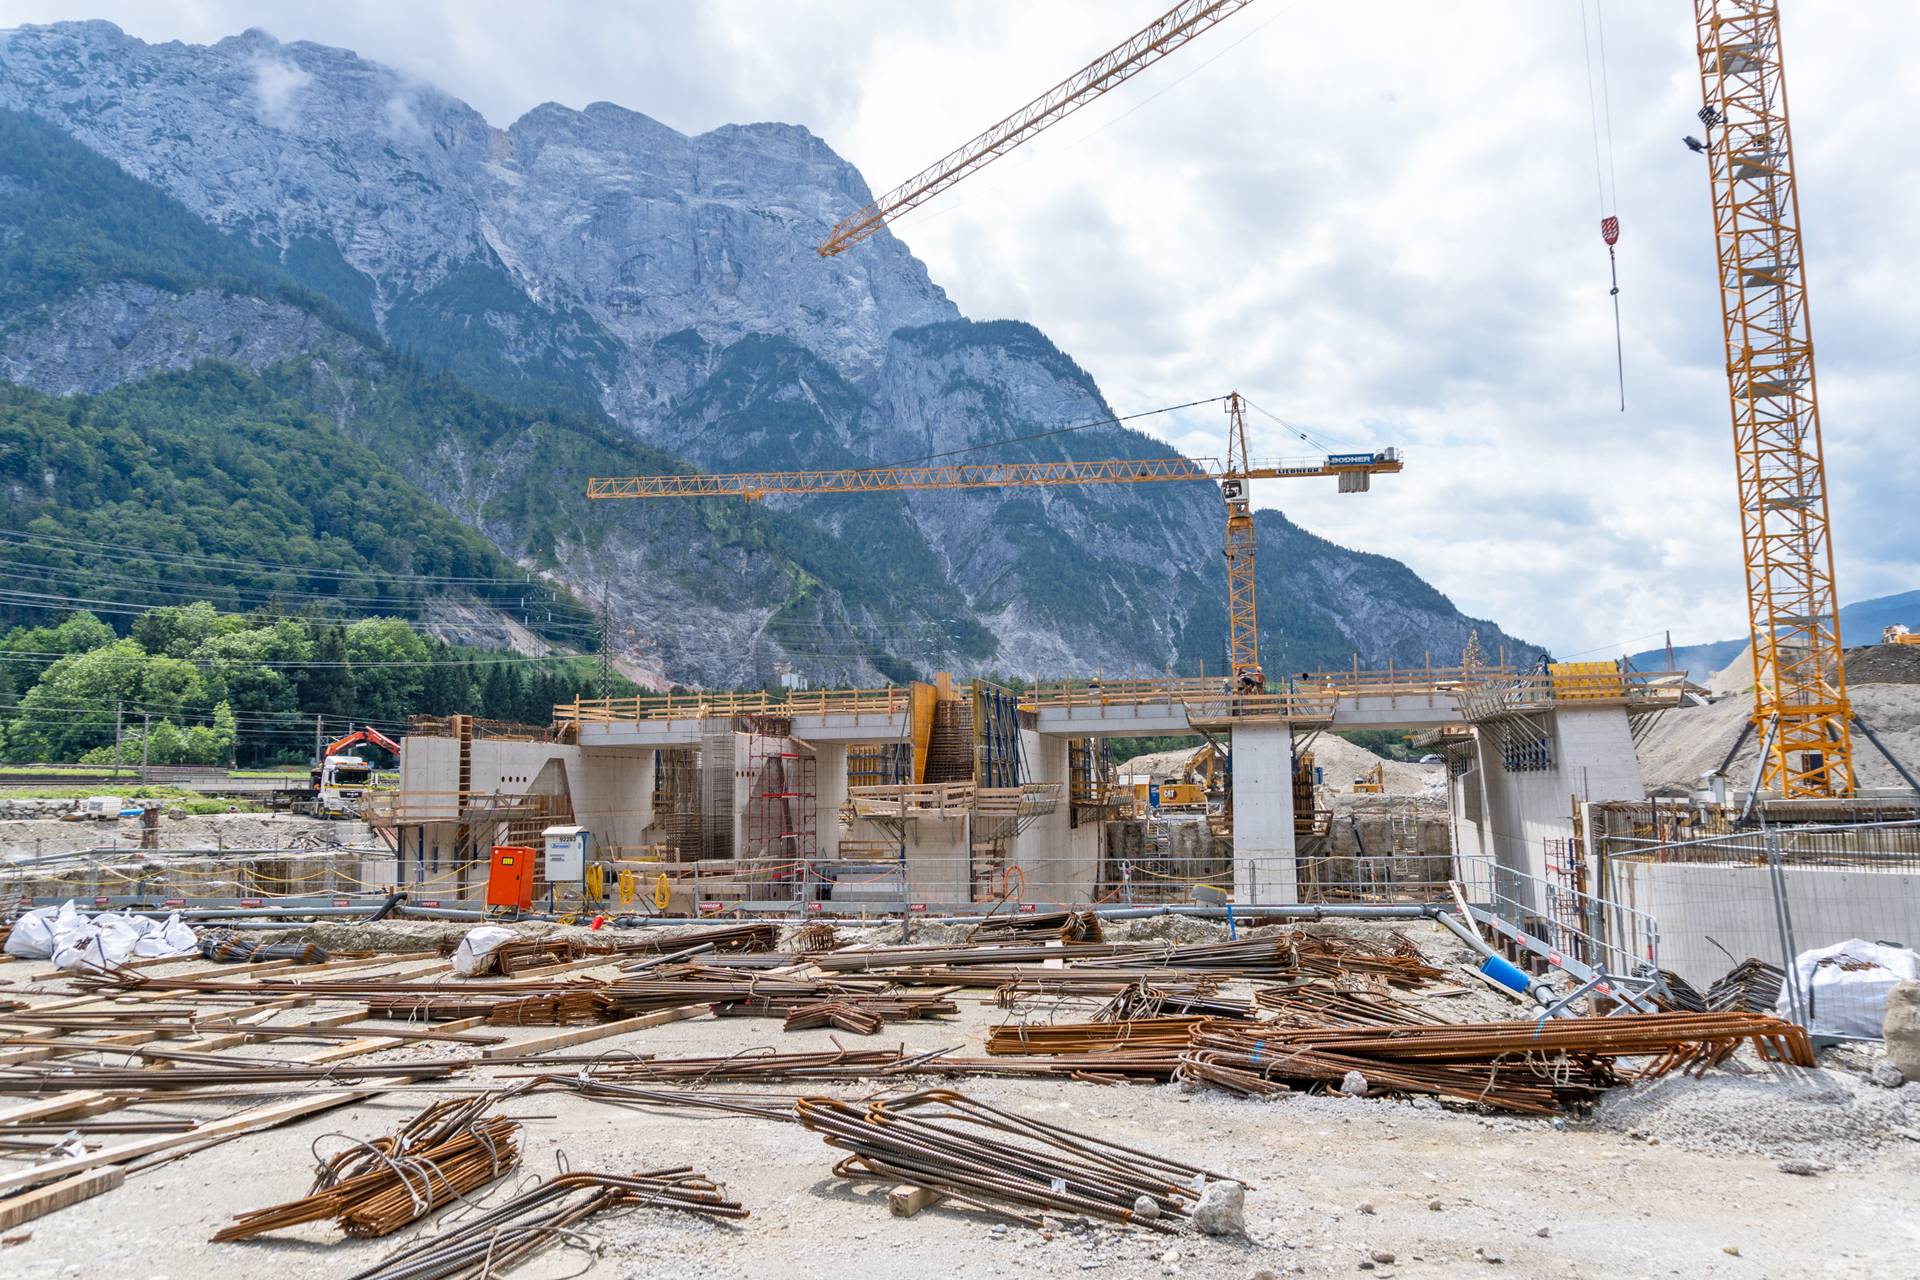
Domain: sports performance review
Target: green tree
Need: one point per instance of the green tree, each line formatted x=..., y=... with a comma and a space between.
x=327, y=686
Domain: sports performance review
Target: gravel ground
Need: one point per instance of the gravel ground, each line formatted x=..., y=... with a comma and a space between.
x=1834, y=1116
x=1338, y=1183
x=28, y=836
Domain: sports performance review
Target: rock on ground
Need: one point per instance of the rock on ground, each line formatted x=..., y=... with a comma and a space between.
x=1902, y=1028
x=1222, y=1210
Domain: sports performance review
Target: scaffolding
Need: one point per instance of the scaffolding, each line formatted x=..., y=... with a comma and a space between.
x=782, y=832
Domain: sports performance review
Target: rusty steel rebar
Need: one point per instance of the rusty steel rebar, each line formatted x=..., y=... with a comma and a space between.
x=1001, y=1161
x=503, y=1237
x=377, y=1187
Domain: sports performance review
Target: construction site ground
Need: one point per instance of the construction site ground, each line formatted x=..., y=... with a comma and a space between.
x=1679, y=1177
x=26, y=837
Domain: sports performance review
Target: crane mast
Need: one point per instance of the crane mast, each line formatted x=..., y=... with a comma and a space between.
x=1243, y=619
x=1800, y=711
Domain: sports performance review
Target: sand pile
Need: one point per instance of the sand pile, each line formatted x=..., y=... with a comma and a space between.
x=1680, y=745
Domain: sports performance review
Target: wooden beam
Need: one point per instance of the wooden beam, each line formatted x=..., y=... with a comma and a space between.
x=29, y=1205
x=248, y=1121
x=906, y=1199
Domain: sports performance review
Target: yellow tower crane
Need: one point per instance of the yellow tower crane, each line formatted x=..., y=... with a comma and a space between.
x=1134, y=54
x=1353, y=471
x=1800, y=707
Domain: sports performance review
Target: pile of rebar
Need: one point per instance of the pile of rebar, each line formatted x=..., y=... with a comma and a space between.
x=569, y=1006
x=858, y=1012
x=502, y=1238
x=812, y=939
x=1068, y=926
x=1752, y=985
x=778, y=1068
x=453, y=1007
x=1001, y=1162
x=1543, y=1067
x=375, y=1188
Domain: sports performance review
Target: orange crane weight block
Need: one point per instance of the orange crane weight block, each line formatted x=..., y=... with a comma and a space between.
x=510, y=877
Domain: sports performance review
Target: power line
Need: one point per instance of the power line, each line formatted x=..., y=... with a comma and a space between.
x=1058, y=431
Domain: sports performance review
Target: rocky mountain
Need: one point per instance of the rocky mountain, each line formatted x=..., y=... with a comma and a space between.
x=642, y=297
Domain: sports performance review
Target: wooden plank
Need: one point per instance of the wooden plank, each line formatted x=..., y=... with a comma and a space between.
x=232, y=1126
x=906, y=1199
x=36, y=1204
x=80, y=1102
x=130, y=1039
x=600, y=1031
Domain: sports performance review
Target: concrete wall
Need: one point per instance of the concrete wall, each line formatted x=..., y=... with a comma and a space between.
x=1060, y=862
x=1508, y=816
x=1264, y=870
x=429, y=776
x=1734, y=907
x=830, y=767
x=613, y=794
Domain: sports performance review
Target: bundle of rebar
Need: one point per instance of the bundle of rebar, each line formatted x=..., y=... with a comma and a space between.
x=436, y=1008
x=683, y=985
x=827, y=1064
x=812, y=939
x=860, y=1012
x=1322, y=1004
x=377, y=1187
x=578, y=1005
x=1166, y=999
x=1001, y=1162
x=738, y=937
x=31, y=1080
x=1068, y=926
x=502, y=1238
x=1542, y=1067
x=224, y=946
x=1752, y=985
x=1090, y=1037
x=522, y=954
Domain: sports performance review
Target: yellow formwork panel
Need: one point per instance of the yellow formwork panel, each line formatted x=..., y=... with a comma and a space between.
x=1587, y=681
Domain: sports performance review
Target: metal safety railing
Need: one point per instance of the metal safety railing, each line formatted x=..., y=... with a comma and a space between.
x=1589, y=935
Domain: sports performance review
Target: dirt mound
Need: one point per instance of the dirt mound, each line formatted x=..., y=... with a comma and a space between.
x=1884, y=664
x=1684, y=743
x=1341, y=762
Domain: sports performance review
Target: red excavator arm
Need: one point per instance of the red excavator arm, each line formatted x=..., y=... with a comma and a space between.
x=358, y=736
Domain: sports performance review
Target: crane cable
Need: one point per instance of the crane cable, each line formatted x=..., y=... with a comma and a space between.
x=1605, y=180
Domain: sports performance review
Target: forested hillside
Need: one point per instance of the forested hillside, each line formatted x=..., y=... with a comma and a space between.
x=190, y=685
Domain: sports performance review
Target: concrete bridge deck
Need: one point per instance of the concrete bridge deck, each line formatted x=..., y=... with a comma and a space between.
x=1411, y=700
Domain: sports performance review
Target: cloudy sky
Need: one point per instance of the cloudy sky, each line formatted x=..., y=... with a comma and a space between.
x=1379, y=222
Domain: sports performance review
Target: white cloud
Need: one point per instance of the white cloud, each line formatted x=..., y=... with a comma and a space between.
x=403, y=125
x=1379, y=222
x=275, y=84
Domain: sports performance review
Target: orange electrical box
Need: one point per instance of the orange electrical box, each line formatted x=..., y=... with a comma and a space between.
x=510, y=879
